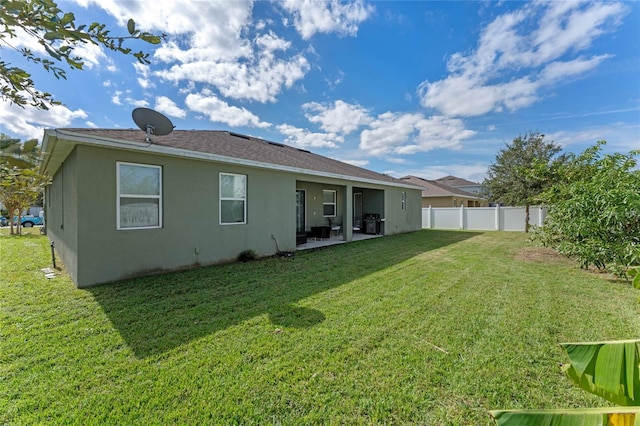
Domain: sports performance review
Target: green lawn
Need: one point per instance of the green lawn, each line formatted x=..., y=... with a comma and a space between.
x=433, y=327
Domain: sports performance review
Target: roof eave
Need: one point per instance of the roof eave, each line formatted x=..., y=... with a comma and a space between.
x=79, y=138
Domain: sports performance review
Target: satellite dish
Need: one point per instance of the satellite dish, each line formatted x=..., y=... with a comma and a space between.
x=152, y=122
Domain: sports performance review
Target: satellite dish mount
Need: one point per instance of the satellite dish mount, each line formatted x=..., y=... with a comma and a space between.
x=152, y=122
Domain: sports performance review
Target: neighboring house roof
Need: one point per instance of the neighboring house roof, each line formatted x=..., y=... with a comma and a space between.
x=455, y=181
x=432, y=188
x=214, y=145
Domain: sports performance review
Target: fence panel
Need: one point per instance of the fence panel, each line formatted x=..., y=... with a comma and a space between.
x=446, y=218
x=481, y=218
x=512, y=219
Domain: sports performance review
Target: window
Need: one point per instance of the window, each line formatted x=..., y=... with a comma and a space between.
x=328, y=203
x=403, y=202
x=233, y=199
x=139, y=201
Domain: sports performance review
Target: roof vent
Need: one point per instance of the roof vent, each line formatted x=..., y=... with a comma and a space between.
x=238, y=135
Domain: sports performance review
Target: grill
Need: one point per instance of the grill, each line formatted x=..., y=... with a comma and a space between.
x=371, y=223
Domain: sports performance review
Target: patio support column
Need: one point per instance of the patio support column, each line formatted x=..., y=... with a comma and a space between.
x=347, y=220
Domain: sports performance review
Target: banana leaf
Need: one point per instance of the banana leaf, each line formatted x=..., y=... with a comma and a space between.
x=610, y=370
x=611, y=416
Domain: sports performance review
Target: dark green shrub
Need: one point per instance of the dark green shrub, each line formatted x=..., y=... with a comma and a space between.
x=247, y=255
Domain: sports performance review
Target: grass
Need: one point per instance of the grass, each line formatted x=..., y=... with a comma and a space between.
x=432, y=327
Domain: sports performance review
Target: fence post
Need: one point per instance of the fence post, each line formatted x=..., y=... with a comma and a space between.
x=430, y=217
x=540, y=218
x=462, y=216
x=497, y=217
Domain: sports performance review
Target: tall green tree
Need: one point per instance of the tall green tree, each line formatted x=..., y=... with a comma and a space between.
x=58, y=33
x=512, y=179
x=19, y=189
x=594, y=213
x=21, y=185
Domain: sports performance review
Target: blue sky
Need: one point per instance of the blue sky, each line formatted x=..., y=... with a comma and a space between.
x=423, y=88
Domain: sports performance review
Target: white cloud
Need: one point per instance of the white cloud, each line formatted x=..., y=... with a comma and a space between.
x=260, y=79
x=27, y=123
x=167, y=106
x=556, y=71
x=408, y=133
x=216, y=110
x=620, y=137
x=357, y=163
x=518, y=54
x=92, y=55
x=115, y=98
x=209, y=42
x=305, y=139
x=139, y=103
x=311, y=17
x=341, y=117
x=144, y=72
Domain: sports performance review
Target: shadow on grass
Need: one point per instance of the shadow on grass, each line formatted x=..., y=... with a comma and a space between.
x=156, y=314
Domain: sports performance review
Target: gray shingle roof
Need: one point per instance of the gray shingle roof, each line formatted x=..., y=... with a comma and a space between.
x=435, y=189
x=233, y=145
x=455, y=181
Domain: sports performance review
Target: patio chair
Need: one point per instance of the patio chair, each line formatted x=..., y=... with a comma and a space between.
x=357, y=226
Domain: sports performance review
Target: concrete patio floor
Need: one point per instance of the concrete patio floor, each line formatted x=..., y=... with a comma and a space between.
x=333, y=240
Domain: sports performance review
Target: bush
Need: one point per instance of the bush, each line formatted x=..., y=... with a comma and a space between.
x=595, y=211
x=247, y=255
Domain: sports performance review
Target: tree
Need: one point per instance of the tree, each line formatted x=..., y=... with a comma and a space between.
x=512, y=178
x=20, y=183
x=17, y=154
x=594, y=213
x=19, y=188
x=58, y=34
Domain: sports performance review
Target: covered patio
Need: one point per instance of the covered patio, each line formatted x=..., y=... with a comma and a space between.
x=313, y=243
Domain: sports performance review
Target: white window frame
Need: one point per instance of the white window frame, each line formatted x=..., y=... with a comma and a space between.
x=334, y=204
x=403, y=201
x=243, y=199
x=120, y=196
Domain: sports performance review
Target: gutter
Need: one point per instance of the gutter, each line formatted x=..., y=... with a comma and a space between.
x=81, y=139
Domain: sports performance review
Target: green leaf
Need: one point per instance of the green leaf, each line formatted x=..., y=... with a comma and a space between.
x=67, y=18
x=131, y=26
x=634, y=273
x=53, y=35
x=614, y=416
x=610, y=370
x=150, y=38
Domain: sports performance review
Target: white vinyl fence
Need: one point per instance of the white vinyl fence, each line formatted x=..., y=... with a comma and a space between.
x=481, y=218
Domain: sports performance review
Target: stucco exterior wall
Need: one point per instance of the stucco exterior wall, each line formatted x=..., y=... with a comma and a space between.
x=190, y=234
x=82, y=219
x=61, y=213
x=398, y=220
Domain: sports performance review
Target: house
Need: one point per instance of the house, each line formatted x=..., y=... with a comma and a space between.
x=463, y=184
x=435, y=194
x=119, y=206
